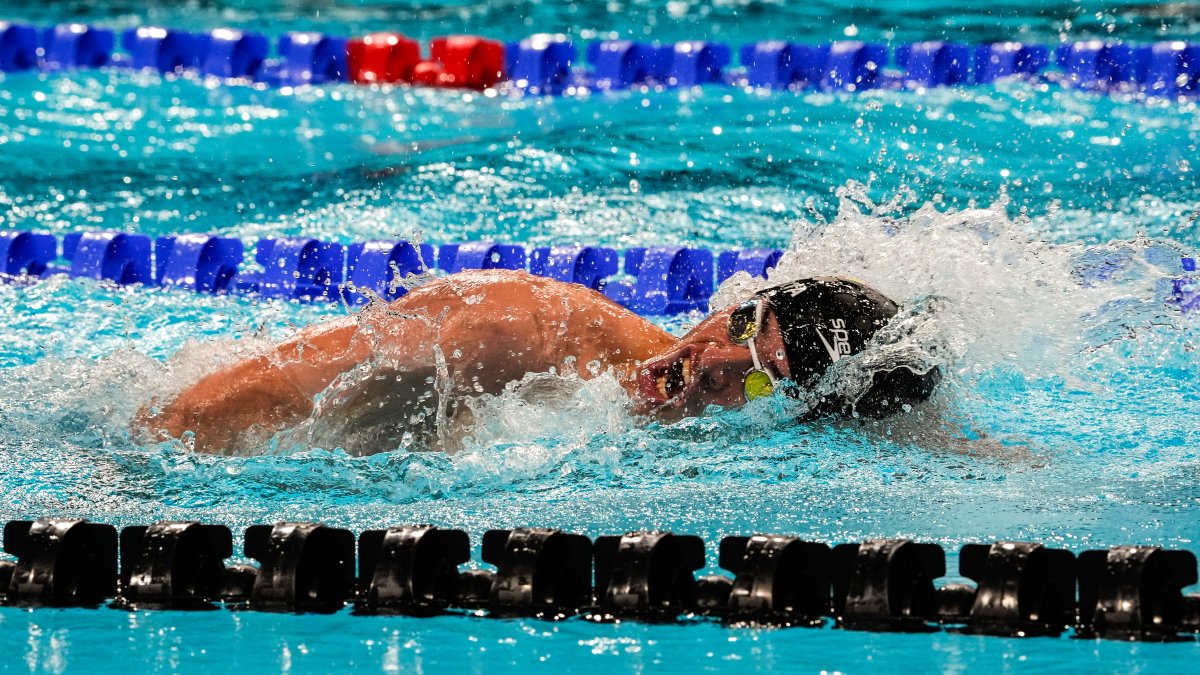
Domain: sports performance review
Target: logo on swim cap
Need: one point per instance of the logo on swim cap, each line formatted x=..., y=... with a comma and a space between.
x=841, y=340
x=843, y=314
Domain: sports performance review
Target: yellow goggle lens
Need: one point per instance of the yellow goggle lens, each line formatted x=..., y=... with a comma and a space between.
x=757, y=385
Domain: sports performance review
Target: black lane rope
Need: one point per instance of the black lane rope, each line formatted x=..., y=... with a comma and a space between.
x=1020, y=588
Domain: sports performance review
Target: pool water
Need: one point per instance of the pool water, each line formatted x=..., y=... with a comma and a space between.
x=1032, y=229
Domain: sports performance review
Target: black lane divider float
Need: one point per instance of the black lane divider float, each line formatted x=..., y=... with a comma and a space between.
x=1021, y=588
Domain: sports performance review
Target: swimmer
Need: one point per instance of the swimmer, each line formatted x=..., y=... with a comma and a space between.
x=398, y=369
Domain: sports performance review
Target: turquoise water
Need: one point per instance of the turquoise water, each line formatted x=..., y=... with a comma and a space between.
x=1030, y=227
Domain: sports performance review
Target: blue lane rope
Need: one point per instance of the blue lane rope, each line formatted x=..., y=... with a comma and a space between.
x=1018, y=589
x=549, y=64
x=655, y=280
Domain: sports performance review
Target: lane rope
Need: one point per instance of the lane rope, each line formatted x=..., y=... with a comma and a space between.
x=1019, y=589
x=548, y=64
x=652, y=281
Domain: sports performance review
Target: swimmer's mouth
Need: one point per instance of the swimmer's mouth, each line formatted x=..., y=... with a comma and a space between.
x=667, y=382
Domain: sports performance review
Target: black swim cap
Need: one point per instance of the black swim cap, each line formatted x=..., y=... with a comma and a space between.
x=826, y=319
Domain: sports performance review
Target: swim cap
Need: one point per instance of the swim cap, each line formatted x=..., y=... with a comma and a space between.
x=826, y=319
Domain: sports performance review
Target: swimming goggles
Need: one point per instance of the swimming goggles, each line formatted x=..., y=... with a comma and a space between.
x=744, y=325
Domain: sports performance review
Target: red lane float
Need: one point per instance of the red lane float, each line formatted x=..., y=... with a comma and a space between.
x=466, y=61
x=382, y=57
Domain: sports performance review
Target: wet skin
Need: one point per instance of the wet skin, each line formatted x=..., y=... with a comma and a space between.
x=472, y=333
x=705, y=367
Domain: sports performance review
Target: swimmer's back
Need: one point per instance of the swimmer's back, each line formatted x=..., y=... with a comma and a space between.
x=528, y=321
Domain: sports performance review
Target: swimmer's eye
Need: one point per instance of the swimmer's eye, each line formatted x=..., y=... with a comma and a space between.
x=743, y=323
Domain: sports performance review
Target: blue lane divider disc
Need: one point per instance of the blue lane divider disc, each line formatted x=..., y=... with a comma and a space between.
x=18, y=47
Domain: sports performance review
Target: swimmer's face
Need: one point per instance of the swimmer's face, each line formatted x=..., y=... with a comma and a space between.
x=706, y=367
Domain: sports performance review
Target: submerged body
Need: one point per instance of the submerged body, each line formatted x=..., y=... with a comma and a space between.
x=393, y=375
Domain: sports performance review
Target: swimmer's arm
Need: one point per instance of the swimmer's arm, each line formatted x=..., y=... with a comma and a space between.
x=262, y=393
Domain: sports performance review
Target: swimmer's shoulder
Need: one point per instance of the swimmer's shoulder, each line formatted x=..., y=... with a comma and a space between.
x=479, y=297
x=498, y=285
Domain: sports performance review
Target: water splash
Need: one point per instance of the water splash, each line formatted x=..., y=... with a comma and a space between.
x=981, y=290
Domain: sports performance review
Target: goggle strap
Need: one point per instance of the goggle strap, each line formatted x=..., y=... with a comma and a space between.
x=757, y=363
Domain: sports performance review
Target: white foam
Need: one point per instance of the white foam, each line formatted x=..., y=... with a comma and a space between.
x=979, y=290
